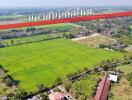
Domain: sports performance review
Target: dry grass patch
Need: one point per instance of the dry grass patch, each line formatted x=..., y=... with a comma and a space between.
x=121, y=91
x=95, y=40
x=128, y=49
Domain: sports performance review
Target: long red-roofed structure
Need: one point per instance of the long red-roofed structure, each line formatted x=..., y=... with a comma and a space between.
x=102, y=89
x=66, y=20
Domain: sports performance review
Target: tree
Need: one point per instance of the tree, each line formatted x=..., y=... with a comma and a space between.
x=1, y=43
x=24, y=93
x=1, y=67
x=44, y=96
x=15, y=96
x=8, y=82
x=40, y=86
x=58, y=80
x=12, y=42
x=129, y=78
x=67, y=84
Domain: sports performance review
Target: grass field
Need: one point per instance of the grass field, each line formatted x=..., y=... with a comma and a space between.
x=43, y=62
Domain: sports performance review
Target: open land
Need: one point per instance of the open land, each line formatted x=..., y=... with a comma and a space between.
x=43, y=62
x=95, y=40
x=122, y=90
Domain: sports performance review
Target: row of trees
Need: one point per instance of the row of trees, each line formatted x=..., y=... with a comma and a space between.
x=73, y=35
x=4, y=43
x=115, y=27
x=16, y=33
x=118, y=46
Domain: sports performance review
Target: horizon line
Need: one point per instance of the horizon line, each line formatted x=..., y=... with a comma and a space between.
x=69, y=6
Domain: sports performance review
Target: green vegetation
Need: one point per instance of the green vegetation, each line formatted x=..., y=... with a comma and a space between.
x=126, y=39
x=125, y=35
x=44, y=62
x=22, y=40
x=84, y=89
x=6, y=88
x=125, y=68
x=62, y=26
x=130, y=28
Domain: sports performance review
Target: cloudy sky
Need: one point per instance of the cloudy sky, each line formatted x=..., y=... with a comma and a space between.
x=58, y=3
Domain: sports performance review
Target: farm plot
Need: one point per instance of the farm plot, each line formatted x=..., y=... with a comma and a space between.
x=43, y=62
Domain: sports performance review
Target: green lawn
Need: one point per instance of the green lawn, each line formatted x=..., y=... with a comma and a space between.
x=43, y=62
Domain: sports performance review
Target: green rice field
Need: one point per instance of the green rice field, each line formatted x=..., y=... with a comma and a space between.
x=43, y=62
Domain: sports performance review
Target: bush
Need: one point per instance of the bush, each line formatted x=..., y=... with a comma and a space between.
x=44, y=96
x=2, y=45
x=24, y=93
x=129, y=78
x=8, y=82
x=40, y=86
x=67, y=84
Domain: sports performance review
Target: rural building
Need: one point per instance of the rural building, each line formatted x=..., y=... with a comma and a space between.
x=113, y=78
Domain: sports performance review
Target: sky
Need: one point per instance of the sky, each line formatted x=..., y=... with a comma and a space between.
x=63, y=3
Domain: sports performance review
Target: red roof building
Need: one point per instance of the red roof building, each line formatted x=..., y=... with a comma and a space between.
x=102, y=89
